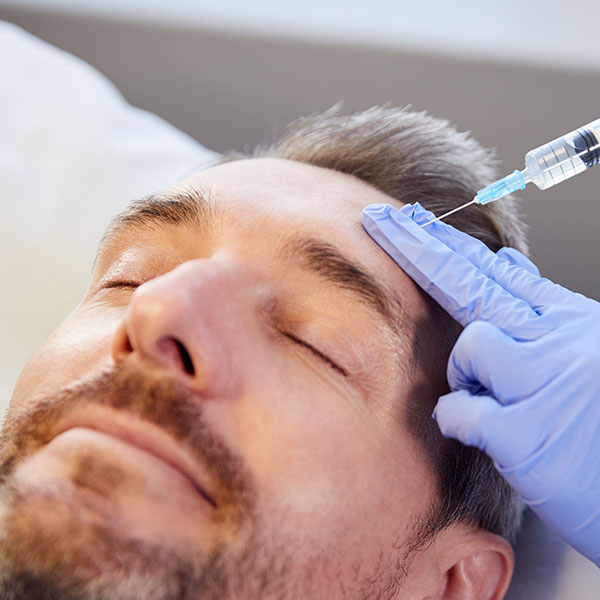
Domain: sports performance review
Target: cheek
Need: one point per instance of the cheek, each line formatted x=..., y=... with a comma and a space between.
x=325, y=461
x=81, y=344
x=334, y=477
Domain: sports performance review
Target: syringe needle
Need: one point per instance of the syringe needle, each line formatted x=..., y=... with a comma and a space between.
x=451, y=212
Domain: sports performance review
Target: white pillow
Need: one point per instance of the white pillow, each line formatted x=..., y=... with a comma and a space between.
x=72, y=154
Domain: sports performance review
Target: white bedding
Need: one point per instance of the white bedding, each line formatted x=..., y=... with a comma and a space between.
x=72, y=154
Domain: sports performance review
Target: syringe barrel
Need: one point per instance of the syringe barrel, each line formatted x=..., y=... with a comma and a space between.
x=564, y=157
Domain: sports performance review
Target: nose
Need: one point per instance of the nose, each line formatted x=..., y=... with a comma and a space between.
x=185, y=323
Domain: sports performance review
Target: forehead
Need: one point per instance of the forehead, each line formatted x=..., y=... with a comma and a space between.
x=287, y=187
x=279, y=196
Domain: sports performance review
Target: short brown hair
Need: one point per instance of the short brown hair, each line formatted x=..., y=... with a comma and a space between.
x=412, y=156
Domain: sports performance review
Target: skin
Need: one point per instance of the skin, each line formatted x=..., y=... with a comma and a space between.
x=315, y=486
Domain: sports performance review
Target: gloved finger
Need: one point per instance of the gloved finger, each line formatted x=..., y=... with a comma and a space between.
x=508, y=434
x=485, y=357
x=464, y=417
x=448, y=277
x=523, y=284
x=514, y=257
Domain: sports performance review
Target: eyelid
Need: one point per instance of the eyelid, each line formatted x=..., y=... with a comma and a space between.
x=123, y=283
x=318, y=353
x=120, y=283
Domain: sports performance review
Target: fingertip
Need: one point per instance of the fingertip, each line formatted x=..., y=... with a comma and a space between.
x=404, y=217
x=469, y=366
x=410, y=209
x=375, y=211
x=443, y=413
x=462, y=416
x=374, y=215
x=444, y=406
x=383, y=221
x=417, y=213
x=514, y=257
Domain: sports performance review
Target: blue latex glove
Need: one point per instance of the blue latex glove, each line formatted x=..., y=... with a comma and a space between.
x=524, y=373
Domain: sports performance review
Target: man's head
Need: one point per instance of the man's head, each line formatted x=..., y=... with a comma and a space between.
x=240, y=406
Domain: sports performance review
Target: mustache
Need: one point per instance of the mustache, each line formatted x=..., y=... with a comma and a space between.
x=135, y=389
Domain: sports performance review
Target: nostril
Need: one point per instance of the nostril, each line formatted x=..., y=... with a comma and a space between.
x=172, y=353
x=186, y=359
x=128, y=345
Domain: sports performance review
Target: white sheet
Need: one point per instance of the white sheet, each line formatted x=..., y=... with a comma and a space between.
x=72, y=154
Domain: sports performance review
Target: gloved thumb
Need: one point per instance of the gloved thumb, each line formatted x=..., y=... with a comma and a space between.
x=484, y=358
x=464, y=416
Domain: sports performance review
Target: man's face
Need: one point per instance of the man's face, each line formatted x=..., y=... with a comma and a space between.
x=233, y=425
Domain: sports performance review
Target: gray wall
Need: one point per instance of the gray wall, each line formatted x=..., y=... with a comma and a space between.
x=230, y=91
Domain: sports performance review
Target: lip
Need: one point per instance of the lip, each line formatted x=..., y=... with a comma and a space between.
x=142, y=435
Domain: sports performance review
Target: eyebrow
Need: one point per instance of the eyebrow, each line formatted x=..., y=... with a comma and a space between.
x=190, y=206
x=194, y=207
x=327, y=261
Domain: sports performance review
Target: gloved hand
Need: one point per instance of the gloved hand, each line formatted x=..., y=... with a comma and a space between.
x=524, y=373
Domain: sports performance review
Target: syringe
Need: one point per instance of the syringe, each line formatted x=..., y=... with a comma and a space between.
x=545, y=166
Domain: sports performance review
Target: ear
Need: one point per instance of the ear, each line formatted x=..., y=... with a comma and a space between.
x=474, y=564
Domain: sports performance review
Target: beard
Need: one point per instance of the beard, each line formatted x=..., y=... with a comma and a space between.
x=57, y=542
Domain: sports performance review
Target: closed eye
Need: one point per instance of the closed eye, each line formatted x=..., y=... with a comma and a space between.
x=121, y=283
x=318, y=353
x=127, y=284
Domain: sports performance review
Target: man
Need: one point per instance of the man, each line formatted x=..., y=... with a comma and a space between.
x=240, y=407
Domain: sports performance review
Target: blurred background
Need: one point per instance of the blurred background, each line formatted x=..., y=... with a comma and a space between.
x=516, y=73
